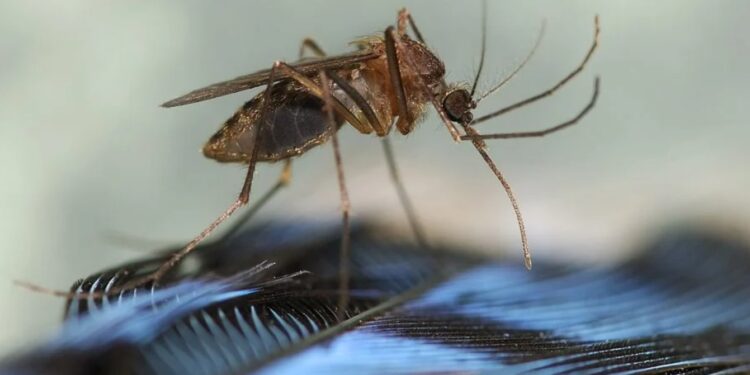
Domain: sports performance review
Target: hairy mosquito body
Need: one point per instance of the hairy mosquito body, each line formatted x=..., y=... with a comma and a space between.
x=389, y=81
x=294, y=121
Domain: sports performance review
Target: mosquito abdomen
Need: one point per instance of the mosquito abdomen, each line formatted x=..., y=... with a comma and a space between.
x=293, y=123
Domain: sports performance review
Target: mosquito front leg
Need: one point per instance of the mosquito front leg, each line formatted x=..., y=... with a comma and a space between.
x=482, y=148
x=277, y=68
x=543, y=132
x=478, y=144
x=382, y=131
x=554, y=88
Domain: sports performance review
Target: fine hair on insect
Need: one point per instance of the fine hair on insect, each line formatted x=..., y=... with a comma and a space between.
x=388, y=82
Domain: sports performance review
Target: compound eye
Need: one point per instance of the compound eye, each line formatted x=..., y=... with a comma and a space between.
x=457, y=105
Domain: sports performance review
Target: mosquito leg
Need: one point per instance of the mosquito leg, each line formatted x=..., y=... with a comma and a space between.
x=554, y=88
x=404, y=16
x=394, y=72
x=244, y=196
x=312, y=45
x=176, y=257
x=284, y=180
x=334, y=106
x=348, y=89
x=317, y=90
x=245, y=193
x=371, y=122
x=242, y=200
x=165, y=267
x=381, y=130
x=344, y=255
x=370, y=116
x=403, y=196
x=482, y=148
x=543, y=132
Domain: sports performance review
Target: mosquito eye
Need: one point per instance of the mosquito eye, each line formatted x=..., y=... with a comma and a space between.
x=457, y=105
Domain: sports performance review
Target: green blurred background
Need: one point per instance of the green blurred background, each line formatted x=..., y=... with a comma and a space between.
x=87, y=155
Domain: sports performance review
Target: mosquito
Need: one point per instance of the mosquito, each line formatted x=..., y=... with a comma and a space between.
x=388, y=82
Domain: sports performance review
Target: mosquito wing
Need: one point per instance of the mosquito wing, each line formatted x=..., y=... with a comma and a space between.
x=245, y=82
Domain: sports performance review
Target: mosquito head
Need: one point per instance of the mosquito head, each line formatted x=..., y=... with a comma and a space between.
x=458, y=104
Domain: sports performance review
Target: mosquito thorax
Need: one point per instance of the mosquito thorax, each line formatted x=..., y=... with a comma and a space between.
x=427, y=65
x=458, y=104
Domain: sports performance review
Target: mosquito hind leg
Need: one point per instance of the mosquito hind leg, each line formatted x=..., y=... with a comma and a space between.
x=241, y=200
x=285, y=178
x=344, y=252
x=167, y=265
x=175, y=259
x=244, y=196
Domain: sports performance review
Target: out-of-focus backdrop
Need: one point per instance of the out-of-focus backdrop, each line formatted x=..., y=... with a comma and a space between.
x=87, y=156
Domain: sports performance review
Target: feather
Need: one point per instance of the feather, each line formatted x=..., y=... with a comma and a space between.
x=682, y=306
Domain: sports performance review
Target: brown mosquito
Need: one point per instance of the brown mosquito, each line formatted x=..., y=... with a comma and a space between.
x=388, y=82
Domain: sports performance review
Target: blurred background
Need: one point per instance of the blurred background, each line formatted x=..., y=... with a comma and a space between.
x=87, y=155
